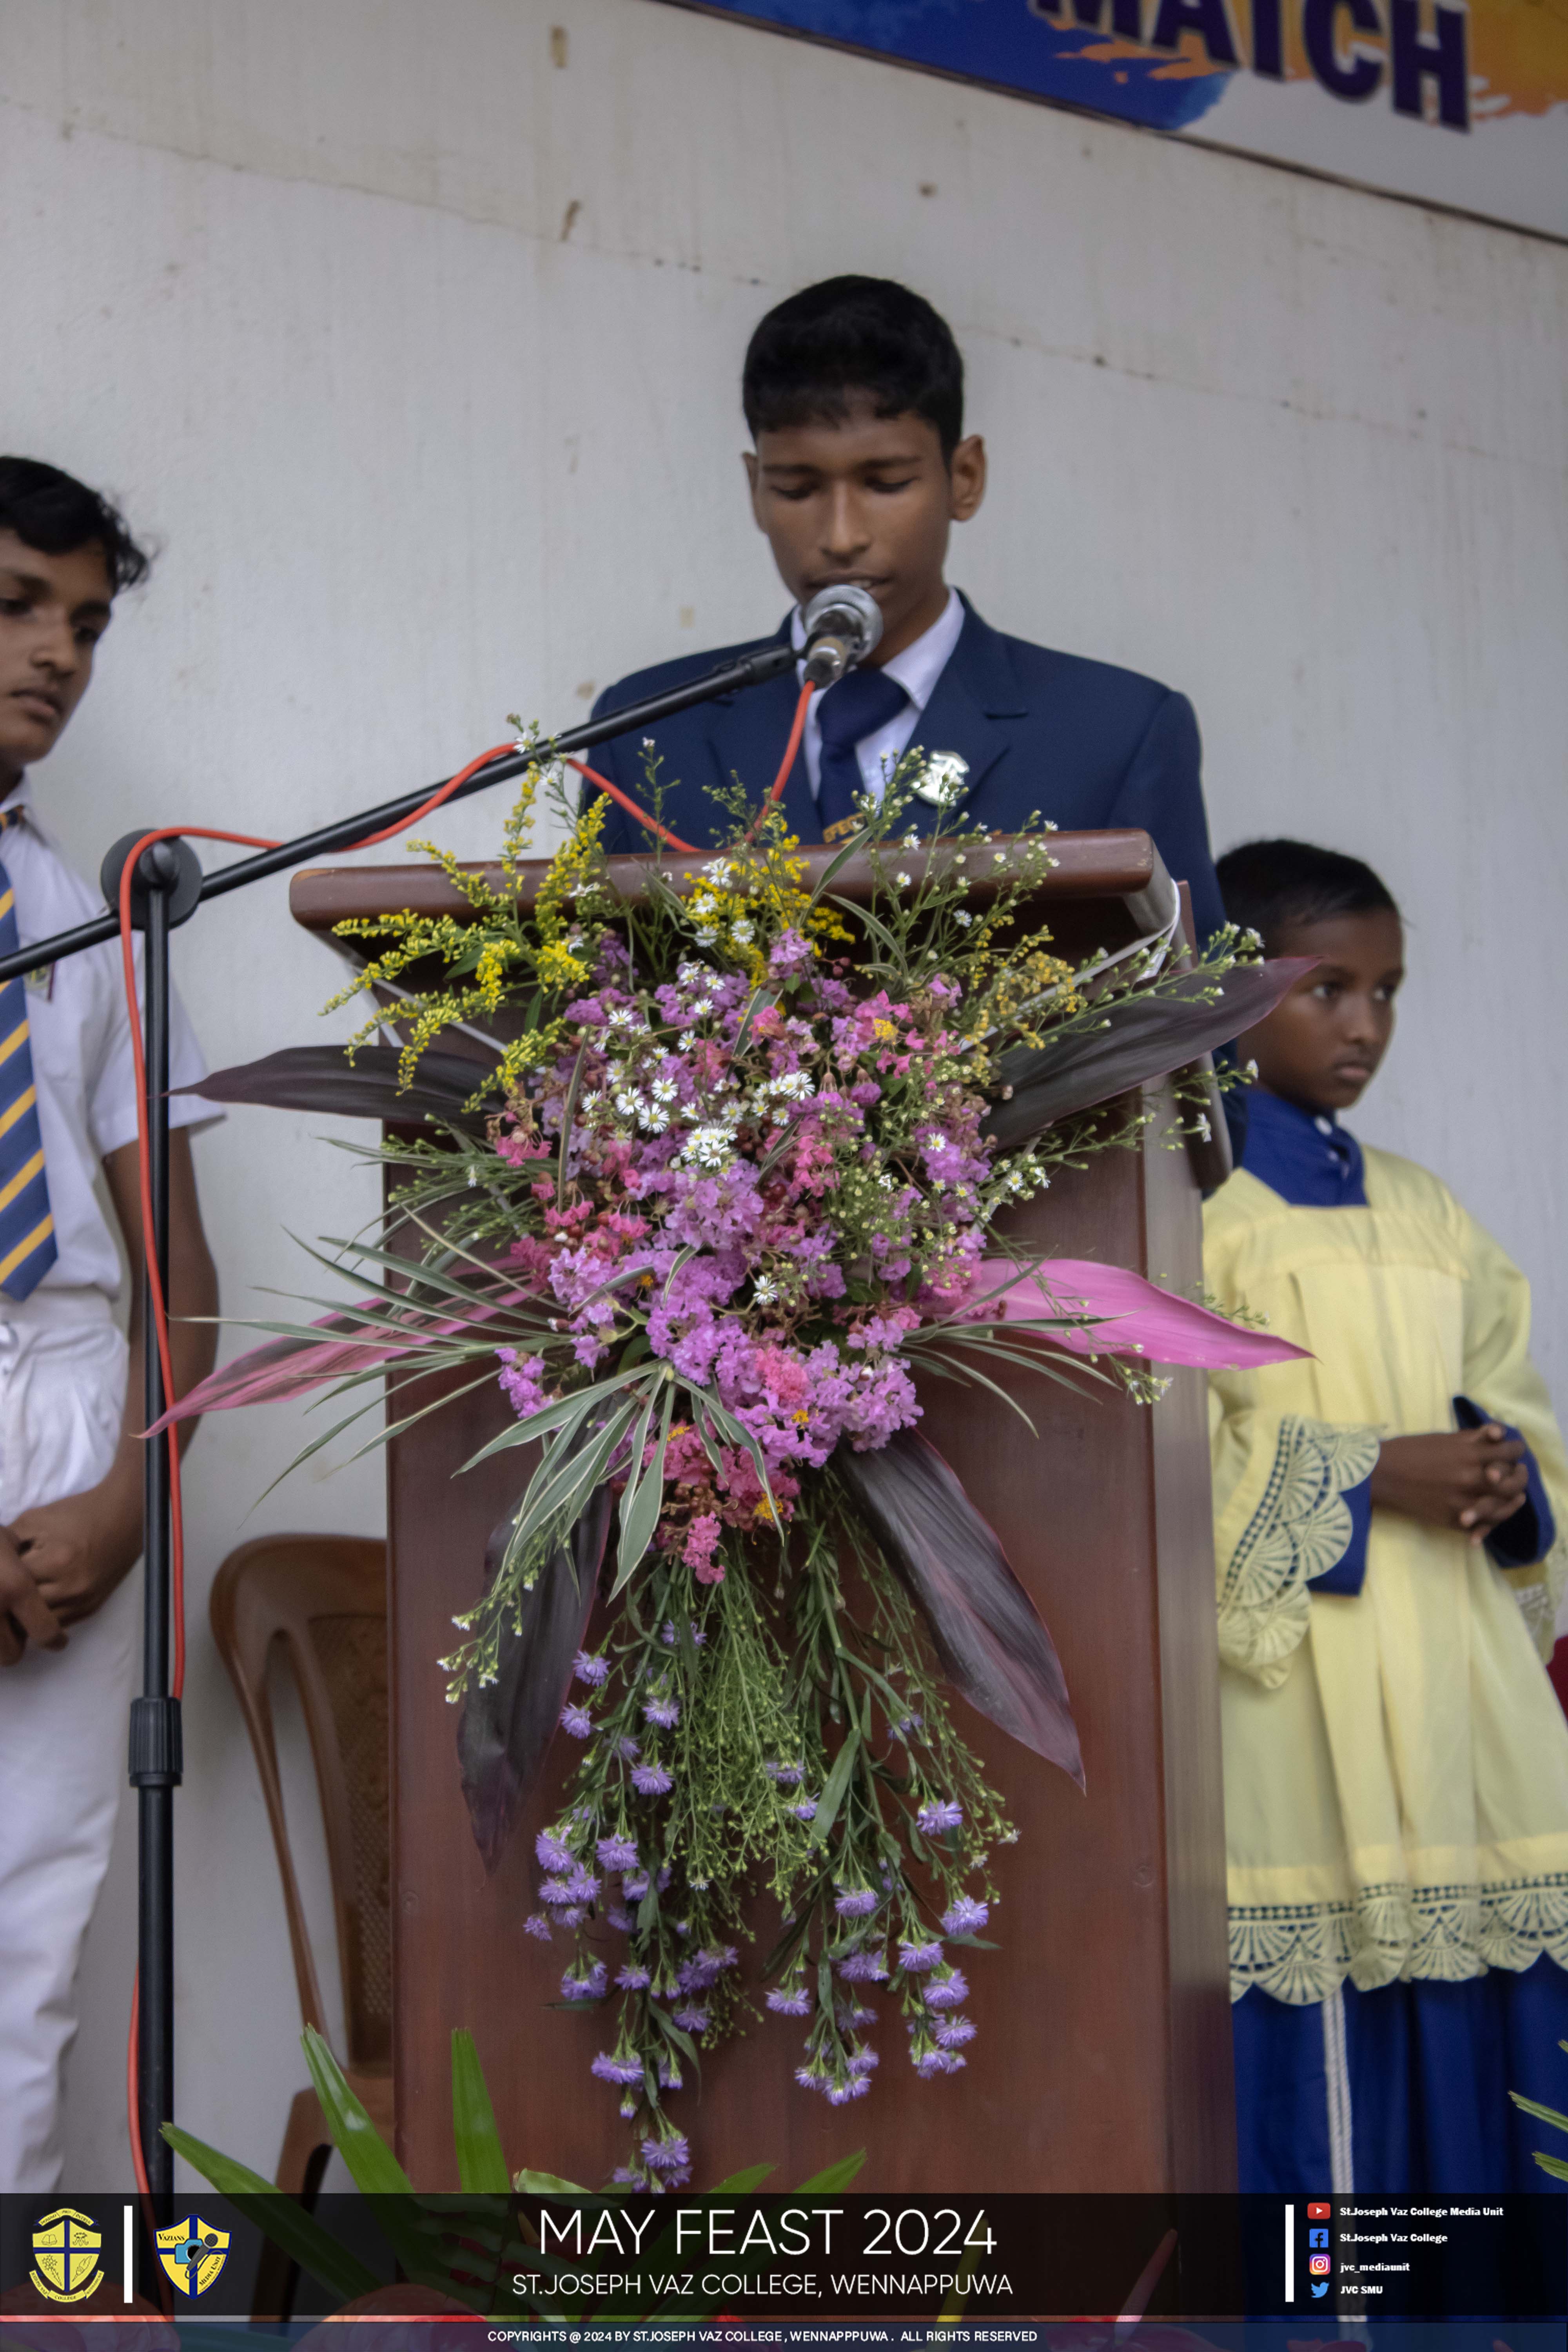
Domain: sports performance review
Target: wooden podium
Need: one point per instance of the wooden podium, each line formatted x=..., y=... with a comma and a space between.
x=1102, y=2059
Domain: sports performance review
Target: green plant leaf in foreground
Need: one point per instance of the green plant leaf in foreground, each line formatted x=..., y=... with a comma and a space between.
x=834, y=2177
x=283, y=2218
x=376, y=2171
x=481, y=2164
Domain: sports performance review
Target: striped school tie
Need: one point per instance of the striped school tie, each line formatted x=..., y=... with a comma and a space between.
x=27, y=1245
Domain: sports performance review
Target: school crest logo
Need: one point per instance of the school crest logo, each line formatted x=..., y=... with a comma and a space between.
x=66, y=2249
x=193, y=2253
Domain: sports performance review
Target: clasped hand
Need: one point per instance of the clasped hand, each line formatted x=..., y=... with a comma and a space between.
x=1472, y=1479
x=59, y=1563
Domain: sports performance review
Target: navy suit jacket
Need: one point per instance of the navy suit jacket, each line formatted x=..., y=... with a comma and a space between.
x=1045, y=735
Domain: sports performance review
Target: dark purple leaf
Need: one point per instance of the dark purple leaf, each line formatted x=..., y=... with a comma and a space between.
x=988, y=1630
x=323, y=1079
x=506, y=1726
x=1145, y=1038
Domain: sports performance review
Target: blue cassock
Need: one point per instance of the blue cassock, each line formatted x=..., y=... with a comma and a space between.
x=1045, y=735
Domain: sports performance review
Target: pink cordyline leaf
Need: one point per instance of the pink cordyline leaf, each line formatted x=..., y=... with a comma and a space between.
x=288, y=1367
x=1141, y=1320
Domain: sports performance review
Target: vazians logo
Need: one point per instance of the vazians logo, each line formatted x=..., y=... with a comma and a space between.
x=65, y=2248
x=193, y=2253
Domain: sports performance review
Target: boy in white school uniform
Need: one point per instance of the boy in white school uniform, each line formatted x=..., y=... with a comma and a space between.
x=71, y=1390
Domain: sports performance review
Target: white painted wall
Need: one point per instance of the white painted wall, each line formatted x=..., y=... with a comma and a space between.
x=418, y=353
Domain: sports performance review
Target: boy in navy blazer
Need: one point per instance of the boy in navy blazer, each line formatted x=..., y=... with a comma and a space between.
x=854, y=395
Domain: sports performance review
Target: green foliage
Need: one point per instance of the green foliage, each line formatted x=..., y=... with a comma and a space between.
x=467, y=2247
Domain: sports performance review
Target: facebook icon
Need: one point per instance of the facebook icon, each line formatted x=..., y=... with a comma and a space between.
x=1317, y=2237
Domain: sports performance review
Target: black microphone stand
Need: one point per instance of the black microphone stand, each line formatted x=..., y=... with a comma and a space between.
x=168, y=886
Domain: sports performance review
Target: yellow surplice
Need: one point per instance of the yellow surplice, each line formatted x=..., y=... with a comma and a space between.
x=1396, y=1759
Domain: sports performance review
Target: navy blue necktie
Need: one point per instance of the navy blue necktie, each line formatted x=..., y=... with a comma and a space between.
x=861, y=703
x=27, y=1244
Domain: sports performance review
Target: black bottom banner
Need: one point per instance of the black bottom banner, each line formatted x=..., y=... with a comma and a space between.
x=1070, y=2273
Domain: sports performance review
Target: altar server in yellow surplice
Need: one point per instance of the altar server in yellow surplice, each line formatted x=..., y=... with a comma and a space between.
x=1385, y=1519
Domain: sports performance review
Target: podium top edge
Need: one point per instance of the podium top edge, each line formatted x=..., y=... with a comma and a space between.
x=1121, y=866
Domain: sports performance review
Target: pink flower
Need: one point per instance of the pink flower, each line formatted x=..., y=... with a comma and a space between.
x=701, y=1542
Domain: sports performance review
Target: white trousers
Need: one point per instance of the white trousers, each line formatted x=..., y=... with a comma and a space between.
x=63, y=1716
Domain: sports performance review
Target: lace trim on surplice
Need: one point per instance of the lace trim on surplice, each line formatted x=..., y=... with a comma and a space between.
x=1300, y=1528
x=1303, y=1952
x=1539, y=1597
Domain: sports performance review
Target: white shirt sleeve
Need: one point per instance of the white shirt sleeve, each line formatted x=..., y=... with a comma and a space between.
x=111, y=1103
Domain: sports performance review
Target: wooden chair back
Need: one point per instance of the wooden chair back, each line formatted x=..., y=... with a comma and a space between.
x=324, y=1598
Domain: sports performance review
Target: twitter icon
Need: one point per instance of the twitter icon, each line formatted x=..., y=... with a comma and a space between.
x=1319, y=2286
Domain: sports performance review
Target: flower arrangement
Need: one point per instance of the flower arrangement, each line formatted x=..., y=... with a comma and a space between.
x=731, y=1180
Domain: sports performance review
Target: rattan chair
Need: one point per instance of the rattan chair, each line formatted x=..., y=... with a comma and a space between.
x=324, y=1598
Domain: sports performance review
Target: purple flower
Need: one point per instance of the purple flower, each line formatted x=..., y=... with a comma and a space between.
x=788, y=1776
x=536, y=1923
x=669, y=2075
x=629, y=1750
x=634, y=1977
x=585, y=1983
x=936, y=2062
x=948, y=1990
x=915, y=1957
x=965, y=1918
x=671, y=2155
x=705, y=1968
x=619, y=1918
x=633, y=1886
x=617, y=1853
x=856, y=1902
x=616, y=2070
x=663, y=1712
x=864, y=1968
x=591, y=1671
x=651, y=1780
x=552, y=1855
x=854, y=2086
x=581, y=1886
x=954, y=2032
x=789, y=2000
x=523, y=1382
x=692, y=2020
x=577, y=1721
x=806, y=1810
x=939, y=1814
x=862, y=2061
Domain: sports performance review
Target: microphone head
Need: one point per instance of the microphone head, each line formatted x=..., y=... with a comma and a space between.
x=842, y=627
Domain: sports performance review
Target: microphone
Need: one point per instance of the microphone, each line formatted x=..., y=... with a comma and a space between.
x=842, y=627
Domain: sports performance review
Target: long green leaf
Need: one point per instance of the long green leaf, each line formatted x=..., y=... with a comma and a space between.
x=282, y=2218
x=481, y=2164
x=636, y=1480
x=1543, y=2114
x=1553, y=2165
x=565, y=1414
x=638, y=1524
x=832, y=1796
x=376, y=2171
x=742, y=2184
x=833, y=2177
x=546, y=2184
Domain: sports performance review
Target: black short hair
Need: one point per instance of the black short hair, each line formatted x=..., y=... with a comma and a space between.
x=848, y=339
x=1268, y=884
x=57, y=514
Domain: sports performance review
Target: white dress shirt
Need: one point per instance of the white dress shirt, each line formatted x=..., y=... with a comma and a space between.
x=79, y=1037
x=916, y=670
